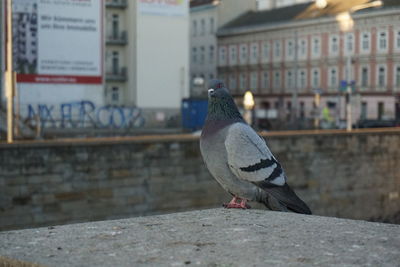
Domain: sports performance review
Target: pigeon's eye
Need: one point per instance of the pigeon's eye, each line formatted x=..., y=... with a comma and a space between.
x=211, y=92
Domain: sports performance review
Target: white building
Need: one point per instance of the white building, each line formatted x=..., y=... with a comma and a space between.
x=144, y=60
x=206, y=17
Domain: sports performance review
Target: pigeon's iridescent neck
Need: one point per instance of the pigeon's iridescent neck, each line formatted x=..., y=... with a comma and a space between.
x=222, y=109
x=212, y=127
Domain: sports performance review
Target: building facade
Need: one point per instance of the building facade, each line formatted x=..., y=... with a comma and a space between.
x=145, y=62
x=279, y=60
x=206, y=16
x=147, y=53
x=271, y=4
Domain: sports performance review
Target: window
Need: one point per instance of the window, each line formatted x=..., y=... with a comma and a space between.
x=302, y=79
x=202, y=27
x=397, y=77
x=315, y=78
x=194, y=54
x=243, y=81
x=115, y=62
x=202, y=54
x=289, y=110
x=303, y=48
x=302, y=110
x=289, y=80
x=212, y=27
x=316, y=46
x=210, y=76
x=381, y=110
x=364, y=77
x=397, y=40
x=334, y=45
x=243, y=53
x=233, y=55
x=266, y=51
x=277, y=49
x=254, y=52
x=365, y=41
x=290, y=48
x=194, y=29
x=115, y=94
x=382, y=45
x=333, y=79
x=265, y=80
x=364, y=110
x=254, y=80
x=232, y=82
x=277, y=79
x=211, y=54
x=266, y=105
x=115, y=26
x=222, y=55
x=349, y=42
x=381, y=76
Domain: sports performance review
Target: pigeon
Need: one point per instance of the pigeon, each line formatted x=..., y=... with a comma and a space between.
x=240, y=160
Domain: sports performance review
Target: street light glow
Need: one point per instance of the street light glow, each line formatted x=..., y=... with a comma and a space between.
x=321, y=3
x=248, y=100
x=345, y=21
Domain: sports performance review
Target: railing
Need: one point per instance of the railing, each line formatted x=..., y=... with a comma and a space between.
x=120, y=75
x=117, y=3
x=117, y=38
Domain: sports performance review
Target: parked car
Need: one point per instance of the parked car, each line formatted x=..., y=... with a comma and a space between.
x=377, y=123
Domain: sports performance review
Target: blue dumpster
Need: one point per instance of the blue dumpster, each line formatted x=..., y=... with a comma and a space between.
x=194, y=112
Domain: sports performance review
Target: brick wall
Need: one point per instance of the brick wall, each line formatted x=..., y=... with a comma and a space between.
x=345, y=175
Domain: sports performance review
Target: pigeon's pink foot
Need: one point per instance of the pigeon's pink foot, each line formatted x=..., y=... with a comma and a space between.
x=234, y=205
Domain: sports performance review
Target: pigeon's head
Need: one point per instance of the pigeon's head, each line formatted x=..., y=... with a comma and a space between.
x=217, y=90
x=220, y=102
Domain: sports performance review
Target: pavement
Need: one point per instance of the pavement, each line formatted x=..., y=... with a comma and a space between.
x=214, y=237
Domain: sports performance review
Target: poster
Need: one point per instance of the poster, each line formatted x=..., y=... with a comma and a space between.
x=58, y=41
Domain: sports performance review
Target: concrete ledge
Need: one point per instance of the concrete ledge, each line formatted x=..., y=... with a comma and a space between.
x=182, y=137
x=215, y=237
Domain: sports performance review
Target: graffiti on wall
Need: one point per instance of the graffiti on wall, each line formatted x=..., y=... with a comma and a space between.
x=84, y=114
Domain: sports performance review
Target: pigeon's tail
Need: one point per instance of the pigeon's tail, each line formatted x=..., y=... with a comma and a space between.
x=281, y=198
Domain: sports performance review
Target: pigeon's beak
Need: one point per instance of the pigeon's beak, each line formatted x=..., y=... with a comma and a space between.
x=210, y=92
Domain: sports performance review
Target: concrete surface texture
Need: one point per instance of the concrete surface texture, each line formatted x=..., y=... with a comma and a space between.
x=349, y=175
x=214, y=237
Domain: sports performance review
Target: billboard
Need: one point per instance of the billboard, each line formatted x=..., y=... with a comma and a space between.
x=58, y=41
x=177, y=8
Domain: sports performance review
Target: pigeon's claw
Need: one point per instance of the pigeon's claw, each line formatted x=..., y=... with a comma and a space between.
x=235, y=205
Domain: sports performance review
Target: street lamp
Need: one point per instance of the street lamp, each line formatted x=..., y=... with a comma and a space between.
x=9, y=74
x=248, y=103
x=346, y=24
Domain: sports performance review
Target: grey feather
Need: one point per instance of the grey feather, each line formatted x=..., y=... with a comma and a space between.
x=240, y=160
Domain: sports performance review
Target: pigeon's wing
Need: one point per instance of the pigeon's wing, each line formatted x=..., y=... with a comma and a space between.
x=249, y=158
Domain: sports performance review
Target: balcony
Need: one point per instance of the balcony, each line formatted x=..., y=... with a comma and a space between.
x=117, y=38
x=116, y=4
x=119, y=75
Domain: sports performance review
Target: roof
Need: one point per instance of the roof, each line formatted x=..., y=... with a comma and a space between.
x=299, y=12
x=195, y=3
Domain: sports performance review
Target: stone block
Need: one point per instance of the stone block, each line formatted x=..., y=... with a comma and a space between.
x=67, y=196
x=100, y=193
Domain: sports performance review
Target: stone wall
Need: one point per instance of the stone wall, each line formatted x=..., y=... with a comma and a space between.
x=338, y=174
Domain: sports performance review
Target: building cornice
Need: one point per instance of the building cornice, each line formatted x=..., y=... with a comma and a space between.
x=202, y=8
x=299, y=23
